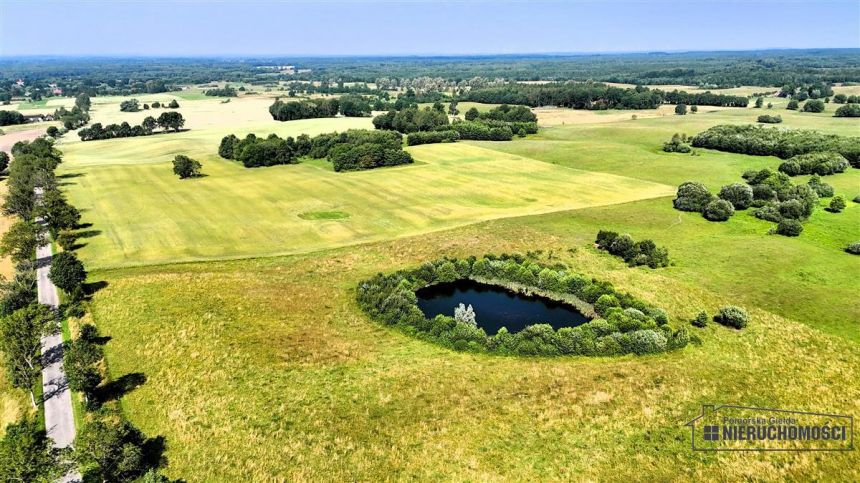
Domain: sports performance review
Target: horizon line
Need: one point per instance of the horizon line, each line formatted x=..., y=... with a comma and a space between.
x=409, y=55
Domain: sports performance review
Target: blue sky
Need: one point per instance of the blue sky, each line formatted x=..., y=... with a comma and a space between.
x=264, y=28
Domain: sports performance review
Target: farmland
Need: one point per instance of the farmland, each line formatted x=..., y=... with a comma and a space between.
x=234, y=293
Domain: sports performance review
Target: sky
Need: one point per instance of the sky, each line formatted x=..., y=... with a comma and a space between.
x=337, y=28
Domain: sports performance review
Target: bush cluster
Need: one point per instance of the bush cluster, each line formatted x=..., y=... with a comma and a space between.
x=678, y=144
x=761, y=141
x=822, y=163
x=644, y=252
x=625, y=323
x=354, y=149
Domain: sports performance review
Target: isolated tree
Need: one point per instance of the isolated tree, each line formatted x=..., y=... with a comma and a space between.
x=792, y=105
x=83, y=102
x=452, y=108
x=156, y=105
x=20, y=241
x=67, y=272
x=465, y=314
x=694, y=109
x=681, y=109
x=472, y=114
x=53, y=131
x=173, y=104
x=4, y=161
x=26, y=454
x=185, y=167
x=770, y=105
x=20, y=341
x=759, y=101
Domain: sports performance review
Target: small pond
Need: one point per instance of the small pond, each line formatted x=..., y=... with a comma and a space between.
x=496, y=307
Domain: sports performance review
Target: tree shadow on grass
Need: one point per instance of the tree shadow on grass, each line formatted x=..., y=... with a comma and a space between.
x=114, y=390
x=91, y=288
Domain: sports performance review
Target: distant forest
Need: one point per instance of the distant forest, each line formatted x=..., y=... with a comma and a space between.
x=714, y=70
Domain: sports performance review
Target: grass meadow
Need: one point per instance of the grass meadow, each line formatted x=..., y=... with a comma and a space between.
x=271, y=372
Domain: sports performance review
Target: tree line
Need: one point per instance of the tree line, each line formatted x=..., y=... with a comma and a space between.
x=107, y=447
x=167, y=121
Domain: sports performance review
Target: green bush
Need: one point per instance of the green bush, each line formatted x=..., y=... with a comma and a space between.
x=837, y=204
x=768, y=119
x=792, y=105
x=848, y=110
x=789, y=227
x=813, y=105
x=732, y=316
x=718, y=210
x=739, y=195
x=823, y=164
x=701, y=319
x=692, y=196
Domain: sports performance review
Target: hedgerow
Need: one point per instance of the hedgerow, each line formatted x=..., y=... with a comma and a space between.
x=623, y=323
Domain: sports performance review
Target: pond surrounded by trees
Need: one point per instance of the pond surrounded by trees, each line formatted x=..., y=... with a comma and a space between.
x=496, y=307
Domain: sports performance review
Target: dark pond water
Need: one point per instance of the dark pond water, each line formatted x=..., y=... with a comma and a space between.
x=496, y=307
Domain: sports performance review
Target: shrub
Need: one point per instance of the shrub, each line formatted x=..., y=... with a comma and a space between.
x=701, y=319
x=739, y=195
x=732, y=316
x=131, y=105
x=813, y=105
x=837, y=204
x=173, y=104
x=768, y=119
x=789, y=227
x=718, y=210
x=792, y=105
x=853, y=248
x=692, y=196
x=4, y=161
x=848, y=110
x=681, y=109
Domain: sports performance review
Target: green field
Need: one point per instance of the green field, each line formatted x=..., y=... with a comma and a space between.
x=273, y=373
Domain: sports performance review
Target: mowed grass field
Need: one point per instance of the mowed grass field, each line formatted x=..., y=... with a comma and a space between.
x=144, y=214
